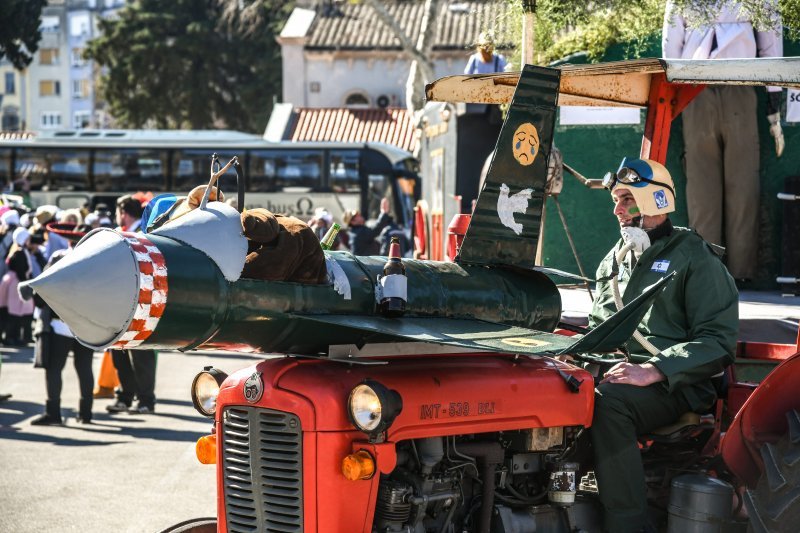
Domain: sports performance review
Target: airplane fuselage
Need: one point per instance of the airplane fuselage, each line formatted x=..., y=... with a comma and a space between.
x=203, y=310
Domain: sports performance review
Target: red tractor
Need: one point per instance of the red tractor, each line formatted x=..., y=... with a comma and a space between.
x=451, y=434
x=481, y=442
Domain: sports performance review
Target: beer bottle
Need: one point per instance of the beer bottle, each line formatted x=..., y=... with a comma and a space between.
x=330, y=236
x=393, y=283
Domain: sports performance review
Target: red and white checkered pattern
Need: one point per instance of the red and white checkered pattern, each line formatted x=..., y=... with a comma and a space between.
x=152, y=292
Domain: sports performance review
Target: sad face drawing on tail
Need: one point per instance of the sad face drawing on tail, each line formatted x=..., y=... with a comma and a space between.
x=526, y=144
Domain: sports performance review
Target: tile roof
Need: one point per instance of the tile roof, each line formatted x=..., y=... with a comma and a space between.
x=391, y=126
x=352, y=26
x=16, y=135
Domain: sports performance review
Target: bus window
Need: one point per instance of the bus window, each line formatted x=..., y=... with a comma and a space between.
x=193, y=167
x=285, y=170
x=405, y=195
x=378, y=189
x=5, y=170
x=344, y=171
x=130, y=170
x=262, y=171
x=53, y=169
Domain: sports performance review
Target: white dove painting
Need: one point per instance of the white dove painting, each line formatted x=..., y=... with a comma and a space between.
x=508, y=205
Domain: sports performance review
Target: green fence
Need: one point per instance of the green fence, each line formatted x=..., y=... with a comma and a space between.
x=594, y=150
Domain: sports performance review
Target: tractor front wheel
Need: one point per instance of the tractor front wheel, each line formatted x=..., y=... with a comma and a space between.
x=774, y=505
x=195, y=525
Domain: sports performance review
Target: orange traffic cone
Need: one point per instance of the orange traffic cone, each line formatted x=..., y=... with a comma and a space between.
x=107, y=381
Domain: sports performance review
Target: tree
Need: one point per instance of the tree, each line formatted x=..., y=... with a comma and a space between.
x=564, y=28
x=421, y=71
x=183, y=64
x=19, y=30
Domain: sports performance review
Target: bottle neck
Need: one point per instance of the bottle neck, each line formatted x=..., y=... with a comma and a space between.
x=330, y=235
x=394, y=250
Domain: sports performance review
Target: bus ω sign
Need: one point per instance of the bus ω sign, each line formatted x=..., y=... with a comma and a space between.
x=301, y=205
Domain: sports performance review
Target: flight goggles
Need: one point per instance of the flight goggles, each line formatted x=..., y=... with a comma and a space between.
x=629, y=176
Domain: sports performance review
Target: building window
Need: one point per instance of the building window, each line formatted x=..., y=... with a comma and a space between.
x=10, y=120
x=50, y=24
x=77, y=57
x=82, y=119
x=49, y=88
x=10, y=89
x=51, y=120
x=79, y=25
x=48, y=56
x=80, y=88
x=356, y=99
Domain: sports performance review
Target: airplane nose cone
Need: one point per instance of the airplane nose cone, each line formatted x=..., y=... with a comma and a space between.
x=96, y=288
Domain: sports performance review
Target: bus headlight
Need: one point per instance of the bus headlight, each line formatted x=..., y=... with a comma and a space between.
x=205, y=389
x=373, y=407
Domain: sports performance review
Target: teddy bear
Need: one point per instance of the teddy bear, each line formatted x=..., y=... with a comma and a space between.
x=281, y=248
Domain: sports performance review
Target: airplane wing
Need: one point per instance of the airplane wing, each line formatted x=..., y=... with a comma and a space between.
x=464, y=333
x=490, y=336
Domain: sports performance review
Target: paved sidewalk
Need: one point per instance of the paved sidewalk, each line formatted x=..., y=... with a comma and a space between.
x=123, y=473
x=764, y=316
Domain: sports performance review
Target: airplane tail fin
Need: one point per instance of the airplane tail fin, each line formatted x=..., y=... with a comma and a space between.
x=504, y=229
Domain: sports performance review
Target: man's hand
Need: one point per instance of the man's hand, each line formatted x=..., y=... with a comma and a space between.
x=385, y=205
x=777, y=132
x=632, y=374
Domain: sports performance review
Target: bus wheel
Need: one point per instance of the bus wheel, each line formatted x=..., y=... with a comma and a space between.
x=774, y=505
x=194, y=525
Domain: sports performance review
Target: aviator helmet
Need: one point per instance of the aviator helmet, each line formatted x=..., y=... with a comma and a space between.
x=649, y=183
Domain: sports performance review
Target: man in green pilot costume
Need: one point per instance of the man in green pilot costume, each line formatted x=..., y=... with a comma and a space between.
x=687, y=337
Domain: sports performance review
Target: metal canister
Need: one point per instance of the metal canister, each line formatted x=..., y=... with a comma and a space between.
x=699, y=504
x=562, y=487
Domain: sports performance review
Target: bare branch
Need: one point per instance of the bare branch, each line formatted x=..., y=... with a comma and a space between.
x=405, y=42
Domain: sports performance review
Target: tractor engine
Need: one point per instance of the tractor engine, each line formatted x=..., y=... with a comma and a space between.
x=500, y=482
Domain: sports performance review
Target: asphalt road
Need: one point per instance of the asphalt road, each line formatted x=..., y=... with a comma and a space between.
x=125, y=473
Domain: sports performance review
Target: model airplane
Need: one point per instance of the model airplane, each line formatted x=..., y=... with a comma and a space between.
x=179, y=287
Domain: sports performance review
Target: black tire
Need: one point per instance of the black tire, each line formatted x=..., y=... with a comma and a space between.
x=774, y=505
x=194, y=525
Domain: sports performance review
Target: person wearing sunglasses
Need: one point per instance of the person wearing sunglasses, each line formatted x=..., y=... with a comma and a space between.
x=688, y=336
x=485, y=60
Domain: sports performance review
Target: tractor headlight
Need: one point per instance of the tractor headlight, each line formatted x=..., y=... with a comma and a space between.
x=205, y=389
x=373, y=407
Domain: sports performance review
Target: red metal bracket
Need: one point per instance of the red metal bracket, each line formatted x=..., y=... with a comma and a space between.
x=666, y=102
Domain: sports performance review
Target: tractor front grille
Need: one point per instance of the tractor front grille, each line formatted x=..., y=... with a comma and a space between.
x=262, y=462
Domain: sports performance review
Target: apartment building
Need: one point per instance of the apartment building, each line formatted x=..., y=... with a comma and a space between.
x=57, y=90
x=12, y=98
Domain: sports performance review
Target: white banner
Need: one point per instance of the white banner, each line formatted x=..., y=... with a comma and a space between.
x=793, y=105
x=582, y=115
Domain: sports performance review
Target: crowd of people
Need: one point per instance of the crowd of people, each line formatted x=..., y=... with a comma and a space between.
x=362, y=236
x=33, y=241
x=26, y=245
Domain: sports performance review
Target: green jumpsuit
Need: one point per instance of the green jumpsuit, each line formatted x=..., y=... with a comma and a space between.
x=694, y=323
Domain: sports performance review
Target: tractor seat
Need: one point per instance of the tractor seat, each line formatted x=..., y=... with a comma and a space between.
x=689, y=423
x=683, y=427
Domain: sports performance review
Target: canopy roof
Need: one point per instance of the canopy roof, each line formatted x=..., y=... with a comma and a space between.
x=621, y=83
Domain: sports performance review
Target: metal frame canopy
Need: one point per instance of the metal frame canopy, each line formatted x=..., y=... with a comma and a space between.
x=664, y=86
x=621, y=83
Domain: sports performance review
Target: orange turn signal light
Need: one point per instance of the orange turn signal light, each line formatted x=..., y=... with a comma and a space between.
x=359, y=465
x=206, y=449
